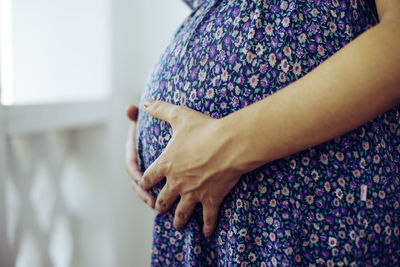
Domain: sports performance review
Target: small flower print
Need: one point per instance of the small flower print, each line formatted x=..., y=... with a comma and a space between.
x=269, y=29
x=230, y=54
x=332, y=241
x=286, y=22
x=210, y=93
x=272, y=60
x=297, y=68
x=259, y=49
x=285, y=65
x=254, y=81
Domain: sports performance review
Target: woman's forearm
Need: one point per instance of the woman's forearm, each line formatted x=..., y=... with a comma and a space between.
x=355, y=85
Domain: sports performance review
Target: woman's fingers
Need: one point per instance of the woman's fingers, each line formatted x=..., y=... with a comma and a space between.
x=133, y=171
x=166, y=198
x=131, y=159
x=154, y=174
x=163, y=111
x=191, y=130
x=143, y=194
x=210, y=217
x=183, y=211
x=136, y=175
x=132, y=112
x=131, y=155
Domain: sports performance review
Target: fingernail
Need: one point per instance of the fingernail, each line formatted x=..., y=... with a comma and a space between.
x=147, y=102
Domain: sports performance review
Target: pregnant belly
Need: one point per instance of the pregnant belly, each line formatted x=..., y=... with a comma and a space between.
x=225, y=57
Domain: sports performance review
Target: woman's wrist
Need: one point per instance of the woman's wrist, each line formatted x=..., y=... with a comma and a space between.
x=242, y=147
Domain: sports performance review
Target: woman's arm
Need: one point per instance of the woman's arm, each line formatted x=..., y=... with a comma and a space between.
x=205, y=157
x=355, y=85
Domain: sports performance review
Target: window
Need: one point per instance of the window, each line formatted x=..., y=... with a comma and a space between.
x=62, y=176
x=55, y=87
x=55, y=51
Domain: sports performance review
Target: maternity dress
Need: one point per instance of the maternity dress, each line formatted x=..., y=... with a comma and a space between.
x=332, y=204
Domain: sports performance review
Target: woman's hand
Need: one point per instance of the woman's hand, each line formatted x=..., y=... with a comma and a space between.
x=131, y=158
x=198, y=164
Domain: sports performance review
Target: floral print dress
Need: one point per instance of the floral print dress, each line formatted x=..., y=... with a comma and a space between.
x=337, y=203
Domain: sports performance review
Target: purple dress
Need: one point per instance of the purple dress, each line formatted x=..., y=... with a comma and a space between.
x=333, y=204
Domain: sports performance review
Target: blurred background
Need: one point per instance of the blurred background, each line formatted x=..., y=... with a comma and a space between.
x=68, y=69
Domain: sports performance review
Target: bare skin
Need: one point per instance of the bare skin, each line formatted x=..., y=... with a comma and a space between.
x=203, y=160
x=131, y=159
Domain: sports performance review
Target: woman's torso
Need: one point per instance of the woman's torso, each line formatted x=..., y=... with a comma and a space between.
x=305, y=208
x=230, y=53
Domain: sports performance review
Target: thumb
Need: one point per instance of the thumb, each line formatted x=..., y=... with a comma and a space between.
x=162, y=110
x=132, y=112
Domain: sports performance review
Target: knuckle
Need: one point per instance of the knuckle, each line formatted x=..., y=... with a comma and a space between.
x=155, y=106
x=190, y=195
x=175, y=190
x=210, y=202
x=174, y=113
x=174, y=186
x=163, y=167
x=181, y=215
x=162, y=206
x=161, y=203
x=208, y=222
x=179, y=220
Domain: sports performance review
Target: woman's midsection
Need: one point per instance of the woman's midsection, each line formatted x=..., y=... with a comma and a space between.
x=235, y=55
